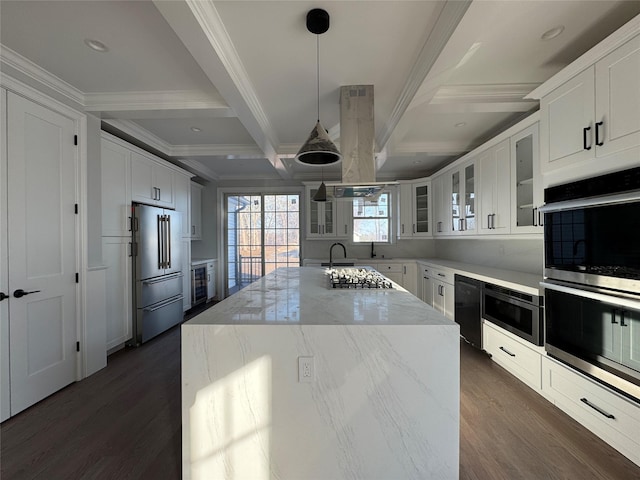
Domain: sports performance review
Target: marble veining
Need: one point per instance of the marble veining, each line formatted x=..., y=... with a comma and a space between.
x=384, y=402
x=277, y=298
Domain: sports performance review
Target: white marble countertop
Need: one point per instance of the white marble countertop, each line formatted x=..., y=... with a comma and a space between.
x=520, y=281
x=303, y=296
x=199, y=261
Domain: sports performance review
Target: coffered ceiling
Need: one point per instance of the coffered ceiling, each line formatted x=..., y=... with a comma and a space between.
x=228, y=88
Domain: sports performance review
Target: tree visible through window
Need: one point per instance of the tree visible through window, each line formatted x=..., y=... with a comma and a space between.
x=371, y=220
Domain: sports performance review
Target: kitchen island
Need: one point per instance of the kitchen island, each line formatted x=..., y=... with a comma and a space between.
x=292, y=379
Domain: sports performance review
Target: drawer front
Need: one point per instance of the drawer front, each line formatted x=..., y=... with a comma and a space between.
x=390, y=267
x=520, y=360
x=607, y=414
x=442, y=275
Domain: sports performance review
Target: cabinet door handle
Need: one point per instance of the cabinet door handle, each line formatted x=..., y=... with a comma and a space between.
x=441, y=275
x=622, y=324
x=535, y=216
x=193, y=229
x=614, y=312
x=493, y=221
x=439, y=227
x=540, y=217
x=345, y=229
x=599, y=143
x=507, y=352
x=404, y=269
x=597, y=408
x=130, y=223
x=403, y=228
x=585, y=131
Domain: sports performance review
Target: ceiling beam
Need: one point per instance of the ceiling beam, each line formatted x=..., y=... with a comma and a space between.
x=449, y=18
x=201, y=30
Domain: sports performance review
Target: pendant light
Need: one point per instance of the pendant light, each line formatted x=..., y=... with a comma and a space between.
x=321, y=194
x=318, y=150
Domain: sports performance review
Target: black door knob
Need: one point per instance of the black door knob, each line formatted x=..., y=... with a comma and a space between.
x=3, y=296
x=21, y=293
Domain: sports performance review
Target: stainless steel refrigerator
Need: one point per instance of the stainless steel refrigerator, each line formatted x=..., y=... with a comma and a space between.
x=157, y=271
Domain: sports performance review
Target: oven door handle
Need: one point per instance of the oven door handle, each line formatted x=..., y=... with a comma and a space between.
x=617, y=198
x=594, y=294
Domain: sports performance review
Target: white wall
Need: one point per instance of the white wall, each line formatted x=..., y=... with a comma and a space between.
x=523, y=255
x=422, y=248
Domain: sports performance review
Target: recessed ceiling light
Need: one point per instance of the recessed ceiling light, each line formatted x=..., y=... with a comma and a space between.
x=461, y=124
x=96, y=45
x=552, y=33
x=195, y=129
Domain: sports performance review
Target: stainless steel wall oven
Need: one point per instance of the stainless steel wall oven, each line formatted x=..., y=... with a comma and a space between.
x=592, y=277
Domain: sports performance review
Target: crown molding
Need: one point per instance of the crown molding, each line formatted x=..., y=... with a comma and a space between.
x=449, y=18
x=157, y=100
x=141, y=134
x=199, y=169
x=216, y=150
x=514, y=92
x=26, y=67
x=434, y=148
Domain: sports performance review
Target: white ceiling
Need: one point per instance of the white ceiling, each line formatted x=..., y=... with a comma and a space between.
x=244, y=72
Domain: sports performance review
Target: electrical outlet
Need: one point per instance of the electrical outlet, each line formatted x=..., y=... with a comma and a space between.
x=306, y=370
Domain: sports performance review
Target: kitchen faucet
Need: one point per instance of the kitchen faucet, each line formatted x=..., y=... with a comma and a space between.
x=331, y=253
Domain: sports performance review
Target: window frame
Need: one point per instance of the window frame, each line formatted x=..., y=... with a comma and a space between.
x=391, y=218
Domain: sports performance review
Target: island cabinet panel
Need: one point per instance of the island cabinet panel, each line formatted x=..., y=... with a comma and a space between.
x=378, y=398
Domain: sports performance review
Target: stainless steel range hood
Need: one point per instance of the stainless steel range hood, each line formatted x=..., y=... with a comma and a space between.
x=357, y=137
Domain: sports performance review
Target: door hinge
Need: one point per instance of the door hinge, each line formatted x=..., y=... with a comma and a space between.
x=77, y=346
x=76, y=208
x=77, y=278
x=75, y=139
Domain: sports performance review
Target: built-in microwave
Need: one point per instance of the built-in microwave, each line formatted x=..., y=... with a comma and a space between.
x=518, y=312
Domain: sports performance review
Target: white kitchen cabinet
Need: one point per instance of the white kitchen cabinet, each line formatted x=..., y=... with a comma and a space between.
x=404, y=274
x=426, y=284
x=151, y=182
x=441, y=194
x=519, y=357
x=393, y=271
x=116, y=187
x=211, y=280
x=595, y=112
x=185, y=244
x=494, y=200
x=183, y=201
x=442, y=282
x=326, y=219
x=609, y=415
x=463, y=199
x=116, y=254
x=410, y=277
x=526, y=182
x=195, y=229
x=414, y=208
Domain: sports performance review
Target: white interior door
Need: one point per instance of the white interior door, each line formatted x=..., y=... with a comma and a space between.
x=4, y=270
x=42, y=245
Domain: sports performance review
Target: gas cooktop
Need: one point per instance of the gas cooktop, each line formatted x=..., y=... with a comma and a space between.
x=357, y=278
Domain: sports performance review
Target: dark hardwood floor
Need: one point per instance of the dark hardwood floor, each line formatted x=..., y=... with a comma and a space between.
x=124, y=423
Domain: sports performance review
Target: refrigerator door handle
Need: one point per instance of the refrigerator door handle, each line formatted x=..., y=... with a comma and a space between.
x=168, y=233
x=160, y=241
x=162, y=279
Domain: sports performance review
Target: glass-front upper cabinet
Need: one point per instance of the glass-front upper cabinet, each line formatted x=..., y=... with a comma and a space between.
x=526, y=190
x=321, y=216
x=463, y=196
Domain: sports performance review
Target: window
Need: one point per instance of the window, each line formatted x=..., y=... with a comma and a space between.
x=262, y=234
x=372, y=220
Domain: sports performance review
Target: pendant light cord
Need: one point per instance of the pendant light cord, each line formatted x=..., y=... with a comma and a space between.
x=318, y=72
